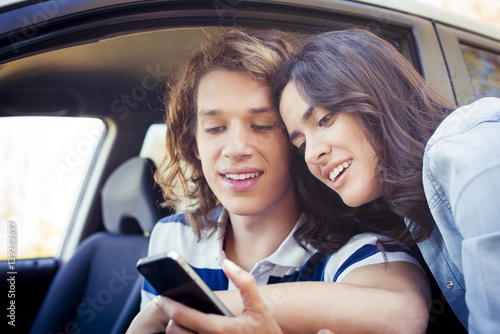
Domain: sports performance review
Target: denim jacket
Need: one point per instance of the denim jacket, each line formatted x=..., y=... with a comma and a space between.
x=461, y=178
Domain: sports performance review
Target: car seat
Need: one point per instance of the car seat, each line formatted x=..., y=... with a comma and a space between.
x=98, y=289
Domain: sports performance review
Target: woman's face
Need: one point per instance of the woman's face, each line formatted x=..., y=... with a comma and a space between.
x=335, y=148
x=243, y=151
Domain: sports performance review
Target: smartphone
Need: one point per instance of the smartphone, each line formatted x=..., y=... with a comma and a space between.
x=173, y=277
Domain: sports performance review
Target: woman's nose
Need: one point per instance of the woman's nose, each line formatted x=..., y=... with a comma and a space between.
x=316, y=151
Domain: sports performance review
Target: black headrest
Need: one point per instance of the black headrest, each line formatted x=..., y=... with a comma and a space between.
x=131, y=198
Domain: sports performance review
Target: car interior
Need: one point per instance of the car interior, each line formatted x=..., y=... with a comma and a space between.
x=115, y=63
x=99, y=281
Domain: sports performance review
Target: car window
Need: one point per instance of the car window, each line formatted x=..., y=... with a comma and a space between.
x=44, y=161
x=484, y=70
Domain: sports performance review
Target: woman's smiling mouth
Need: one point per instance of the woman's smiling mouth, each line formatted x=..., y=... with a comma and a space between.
x=338, y=171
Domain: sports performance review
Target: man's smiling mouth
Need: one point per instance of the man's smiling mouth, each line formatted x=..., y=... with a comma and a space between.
x=240, y=177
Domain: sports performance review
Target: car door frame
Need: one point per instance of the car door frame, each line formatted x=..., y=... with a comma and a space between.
x=103, y=22
x=451, y=38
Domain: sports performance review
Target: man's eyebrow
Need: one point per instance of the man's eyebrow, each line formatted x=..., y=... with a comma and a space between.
x=261, y=110
x=210, y=112
x=307, y=115
x=215, y=112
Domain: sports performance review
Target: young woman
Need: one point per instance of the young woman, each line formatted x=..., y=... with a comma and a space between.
x=373, y=131
x=251, y=205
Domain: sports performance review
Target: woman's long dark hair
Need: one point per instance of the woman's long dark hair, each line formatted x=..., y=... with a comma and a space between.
x=354, y=71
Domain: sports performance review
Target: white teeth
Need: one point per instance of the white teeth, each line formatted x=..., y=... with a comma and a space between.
x=241, y=176
x=337, y=170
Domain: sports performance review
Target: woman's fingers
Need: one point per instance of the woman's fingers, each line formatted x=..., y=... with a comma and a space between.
x=174, y=328
x=255, y=317
x=248, y=288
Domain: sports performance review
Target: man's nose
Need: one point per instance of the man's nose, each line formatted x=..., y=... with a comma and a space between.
x=239, y=143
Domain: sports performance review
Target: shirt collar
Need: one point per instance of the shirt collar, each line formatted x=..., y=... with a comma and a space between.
x=288, y=254
x=223, y=218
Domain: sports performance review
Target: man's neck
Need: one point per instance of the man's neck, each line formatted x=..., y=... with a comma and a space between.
x=250, y=239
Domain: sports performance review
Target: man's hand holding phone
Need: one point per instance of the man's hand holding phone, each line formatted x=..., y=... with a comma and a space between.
x=165, y=315
x=255, y=317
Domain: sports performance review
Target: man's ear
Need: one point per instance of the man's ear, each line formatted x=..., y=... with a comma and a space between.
x=196, y=152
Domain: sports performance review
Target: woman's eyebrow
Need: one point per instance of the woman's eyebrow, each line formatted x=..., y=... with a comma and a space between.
x=307, y=115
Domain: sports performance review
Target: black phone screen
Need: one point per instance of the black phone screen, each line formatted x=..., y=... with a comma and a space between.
x=169, y=279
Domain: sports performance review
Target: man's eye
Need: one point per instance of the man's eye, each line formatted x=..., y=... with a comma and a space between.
x=214, y=130
x=263, y=128
x=325, y=120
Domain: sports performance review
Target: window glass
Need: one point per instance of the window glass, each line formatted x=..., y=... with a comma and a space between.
x=484, y=69
x=44, y=161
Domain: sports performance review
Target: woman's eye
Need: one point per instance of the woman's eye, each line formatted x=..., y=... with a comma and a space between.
x=325, y=120
x=302, y=147
x=214, y=130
